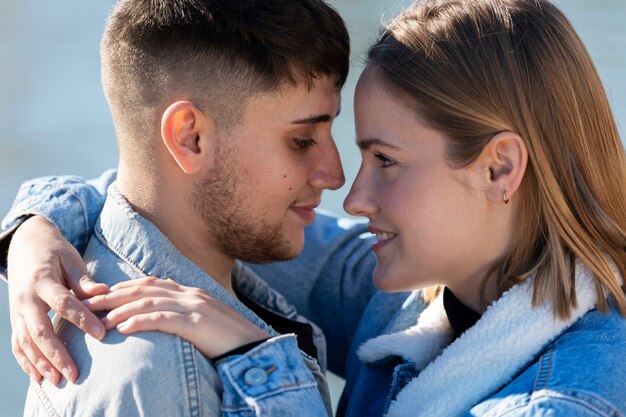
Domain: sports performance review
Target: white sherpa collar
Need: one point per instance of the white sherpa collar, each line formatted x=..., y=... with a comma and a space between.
x=509, y=334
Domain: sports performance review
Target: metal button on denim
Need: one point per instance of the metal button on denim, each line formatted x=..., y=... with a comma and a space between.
x=255, y=376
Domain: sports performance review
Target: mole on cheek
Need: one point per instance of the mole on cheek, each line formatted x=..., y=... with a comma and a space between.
x=285, y=176
x=289, y=188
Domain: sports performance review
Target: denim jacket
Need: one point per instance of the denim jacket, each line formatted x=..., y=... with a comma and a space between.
x=516, y=361
x=158, y=374
x=578, y=373
x=330, y=283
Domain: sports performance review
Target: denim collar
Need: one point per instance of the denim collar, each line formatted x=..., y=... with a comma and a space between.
x=141, y=244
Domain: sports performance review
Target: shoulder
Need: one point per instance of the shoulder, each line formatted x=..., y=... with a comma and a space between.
x=581, y=373
x=149, y=373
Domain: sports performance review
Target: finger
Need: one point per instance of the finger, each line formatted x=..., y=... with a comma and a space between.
x=86, y=287
x=163, y=321
x=147, y=282
x=25, y=341
x=77, y=276
x=64, y=303
x=26, y=365
x=49, y=353
x=143, y=306
x=125, y=295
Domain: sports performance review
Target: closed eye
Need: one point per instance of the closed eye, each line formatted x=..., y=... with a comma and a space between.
x=303, y=144
x=386, y=162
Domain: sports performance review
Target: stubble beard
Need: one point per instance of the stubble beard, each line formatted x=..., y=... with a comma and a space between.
x=220, y=201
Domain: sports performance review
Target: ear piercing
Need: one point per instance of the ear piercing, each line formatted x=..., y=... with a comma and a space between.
x=505, y=198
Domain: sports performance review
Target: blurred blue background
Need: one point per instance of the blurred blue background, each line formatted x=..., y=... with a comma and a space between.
x=54, y=119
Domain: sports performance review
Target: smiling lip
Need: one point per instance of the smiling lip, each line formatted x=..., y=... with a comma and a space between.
x=306, y=213
x=383, y=238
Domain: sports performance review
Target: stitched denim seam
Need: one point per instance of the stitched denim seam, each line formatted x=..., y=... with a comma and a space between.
x=292, y=387
x=545, y=369
x=44, y=400
x=191, y=378
x=116, y=251
x=612, y=411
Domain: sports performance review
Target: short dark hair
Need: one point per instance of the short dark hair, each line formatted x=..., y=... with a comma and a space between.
x=214, y=53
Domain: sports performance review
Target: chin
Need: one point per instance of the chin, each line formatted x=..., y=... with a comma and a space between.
x=387, y=281
x=296, y=243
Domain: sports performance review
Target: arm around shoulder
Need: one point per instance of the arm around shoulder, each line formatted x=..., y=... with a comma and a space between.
x=71, y=203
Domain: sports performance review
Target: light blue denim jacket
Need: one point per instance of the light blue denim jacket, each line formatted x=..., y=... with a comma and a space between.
x=579, y=374
x=157, y=374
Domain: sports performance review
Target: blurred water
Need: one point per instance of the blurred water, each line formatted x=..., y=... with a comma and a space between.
x=54, y=118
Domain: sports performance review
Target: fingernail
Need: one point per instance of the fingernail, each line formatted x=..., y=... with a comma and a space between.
x=68, y=374
x=97, y=332
x=122, y=326
x=35, y=378
x=49, y=376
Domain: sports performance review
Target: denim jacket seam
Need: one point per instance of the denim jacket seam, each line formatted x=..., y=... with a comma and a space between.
x=545, y=369
x=100, y=236
x=566, y=395
x=45, y=401
x=259, y=349
x=233, y=409
x=298, y=386
x=249, y=356
x=191, y=378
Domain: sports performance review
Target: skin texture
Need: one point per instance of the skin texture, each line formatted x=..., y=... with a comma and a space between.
x=436, y=225
x=156, y=304
x=270, y=170
x=282, y=156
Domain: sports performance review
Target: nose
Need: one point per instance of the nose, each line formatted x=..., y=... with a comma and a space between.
x=359, y=201
x=329, y=173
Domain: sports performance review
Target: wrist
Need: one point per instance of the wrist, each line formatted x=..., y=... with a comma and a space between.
x=240, y=350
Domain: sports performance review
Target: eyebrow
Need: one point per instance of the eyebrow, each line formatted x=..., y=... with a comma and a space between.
x=322, y=118
x=365, y=144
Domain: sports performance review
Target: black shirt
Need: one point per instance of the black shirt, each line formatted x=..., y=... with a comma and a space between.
x=460, y=316
x=283, y=325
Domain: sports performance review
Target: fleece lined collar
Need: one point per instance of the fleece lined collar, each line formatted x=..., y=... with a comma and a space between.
x=483, y=359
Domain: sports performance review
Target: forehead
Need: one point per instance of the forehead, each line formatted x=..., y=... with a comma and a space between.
x=294, y=102
x=376, y=106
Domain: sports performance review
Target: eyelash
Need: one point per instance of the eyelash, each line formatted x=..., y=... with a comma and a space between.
x=303, y=144
x=384, y=159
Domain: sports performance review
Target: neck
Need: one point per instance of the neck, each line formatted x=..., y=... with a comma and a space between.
x=164, y=200
x=469, y=293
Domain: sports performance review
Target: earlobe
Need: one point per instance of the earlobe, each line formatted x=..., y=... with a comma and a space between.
x=507, y=158
x=188, y=135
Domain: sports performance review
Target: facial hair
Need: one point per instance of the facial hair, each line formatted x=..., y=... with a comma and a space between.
x=221, y=202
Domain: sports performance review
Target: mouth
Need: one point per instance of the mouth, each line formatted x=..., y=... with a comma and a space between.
x=305, y=211
x=382, y=237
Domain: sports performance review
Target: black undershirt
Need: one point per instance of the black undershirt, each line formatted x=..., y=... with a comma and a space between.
x=283, y=325
x=459, y=315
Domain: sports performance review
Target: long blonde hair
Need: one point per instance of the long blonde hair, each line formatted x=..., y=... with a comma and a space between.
x=473, y=68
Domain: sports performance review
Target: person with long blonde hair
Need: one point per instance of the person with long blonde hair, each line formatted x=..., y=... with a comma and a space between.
x=494, y=179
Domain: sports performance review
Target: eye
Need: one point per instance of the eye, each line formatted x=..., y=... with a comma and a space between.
x=303, y=144
x=386, y=162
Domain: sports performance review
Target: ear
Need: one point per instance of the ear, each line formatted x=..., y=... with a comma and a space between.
x=506, y=158
x=189, y=135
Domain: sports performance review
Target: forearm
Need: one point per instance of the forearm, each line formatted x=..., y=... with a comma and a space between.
x=70, y=203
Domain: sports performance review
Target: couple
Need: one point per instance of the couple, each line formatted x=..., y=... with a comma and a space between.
x=493, y=177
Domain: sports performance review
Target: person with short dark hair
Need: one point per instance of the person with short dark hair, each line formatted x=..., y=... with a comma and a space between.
x=224, y=131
